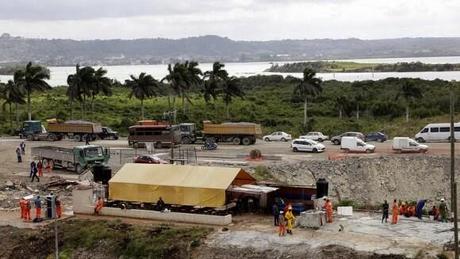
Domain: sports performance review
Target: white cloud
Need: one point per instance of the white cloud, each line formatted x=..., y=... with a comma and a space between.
x=237, y=19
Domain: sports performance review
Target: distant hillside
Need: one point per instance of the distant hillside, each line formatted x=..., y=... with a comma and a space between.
x=212, y=48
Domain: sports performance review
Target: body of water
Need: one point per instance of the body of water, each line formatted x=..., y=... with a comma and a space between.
x=121, y=73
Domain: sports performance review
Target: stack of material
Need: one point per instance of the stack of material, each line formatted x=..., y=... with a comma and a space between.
x=311, y=219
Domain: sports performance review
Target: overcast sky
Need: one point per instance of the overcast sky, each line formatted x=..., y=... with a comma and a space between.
x=236, y=19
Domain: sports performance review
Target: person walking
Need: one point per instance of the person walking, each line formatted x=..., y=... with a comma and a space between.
x=276, y=214
x=394, y=212
x=22, y=203
x=38, y=207
x=40, y=168
x=385, y=209
x=58, y=207
x=289, y=216
x=19, y=154
x=87, y=139
x=27, y=208
x=419, y=208
x=99, y=205
x=23, y=147
x=33, y=171
x=443, y=210
x=281, y=224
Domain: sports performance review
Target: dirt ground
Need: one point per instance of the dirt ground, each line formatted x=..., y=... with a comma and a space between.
x=251, y=233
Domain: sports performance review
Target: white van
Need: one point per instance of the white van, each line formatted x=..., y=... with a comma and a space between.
x=354, y=144
x=405, y=144
x=437, y=132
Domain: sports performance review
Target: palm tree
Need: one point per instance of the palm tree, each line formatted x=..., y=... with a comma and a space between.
x=73, y=91
x=182, y=78
x=142, y=87
x=32, y=79
x=231, y=87
x=359, y=95
x=213, y=81
x=176, y=80
x=409, y=92
x=101, y=84
x=341, y=102
x=309, y=86
x=12, y=94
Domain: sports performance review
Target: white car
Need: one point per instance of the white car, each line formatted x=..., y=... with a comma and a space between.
x=355, y=144
x=278, y=136
x=404, y=144
x=316, y=136
x=307, y=145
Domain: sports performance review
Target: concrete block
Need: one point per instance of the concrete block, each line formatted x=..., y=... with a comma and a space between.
x=311, y=219
x=345, y=210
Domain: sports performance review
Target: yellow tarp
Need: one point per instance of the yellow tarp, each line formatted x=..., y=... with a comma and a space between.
x=176, y=184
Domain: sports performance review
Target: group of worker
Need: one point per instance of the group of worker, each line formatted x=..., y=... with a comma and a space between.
x=20, y=151
x=25, y=206
x=283, y=219
x=410, y=210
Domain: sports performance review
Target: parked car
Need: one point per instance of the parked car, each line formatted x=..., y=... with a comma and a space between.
x=336, y=140
x=376, y=136
x=404, y=144
x=355, y=144
x=307, y=145
x=149, y=159
x=278, y=136
x=314, y=135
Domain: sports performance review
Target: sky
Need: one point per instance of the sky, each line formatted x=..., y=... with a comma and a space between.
x=235, y=19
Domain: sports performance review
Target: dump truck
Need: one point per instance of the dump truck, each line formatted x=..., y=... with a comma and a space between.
x=244, y=133
x=77, y=158
x=160, y=135
x=78, y=130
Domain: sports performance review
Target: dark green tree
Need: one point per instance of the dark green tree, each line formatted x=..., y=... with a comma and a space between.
x=32, y=78
x=409, y=92
x=308, y=87
x=231, y=88
x=142, y=87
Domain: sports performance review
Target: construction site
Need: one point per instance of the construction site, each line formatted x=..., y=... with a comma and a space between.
x=219, y=203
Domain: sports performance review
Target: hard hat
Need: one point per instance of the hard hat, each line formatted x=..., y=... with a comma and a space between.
x=442, y=200
x=281, y=212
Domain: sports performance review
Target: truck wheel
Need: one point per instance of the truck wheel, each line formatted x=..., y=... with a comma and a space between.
x=30, y=137
x=420, y=140
x=158, y=145
x=236, y=141
x=336, y=142
x=52, y=137
x=186, y=140
x=246, y=141
x=78, y=138
x=78, y=168
x=115, y=137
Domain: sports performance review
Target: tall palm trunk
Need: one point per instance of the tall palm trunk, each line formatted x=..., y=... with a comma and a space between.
x=183, y=104
x=407, y=113
x=142, y=109
x=357, y=111
x=227, y=110
x=71, y=109
x=340, y=113
x=305, y=115
x=11, y=116
x=29, y=111
x=17, y=114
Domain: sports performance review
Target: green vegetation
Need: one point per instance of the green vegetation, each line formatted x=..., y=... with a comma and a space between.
x=399, y=107
x=354, y=67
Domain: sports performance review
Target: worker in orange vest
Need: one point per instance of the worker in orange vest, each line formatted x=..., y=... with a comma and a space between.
x=22, y=206
x=26, y=210
x=40, y=168
x=38, y=207
x=58, y=207
x=99, y=205
x=329, y=210
x=395, y=212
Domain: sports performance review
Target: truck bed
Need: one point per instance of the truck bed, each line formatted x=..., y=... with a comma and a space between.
x=242, y=128
x=55, y=153
x=74, y=128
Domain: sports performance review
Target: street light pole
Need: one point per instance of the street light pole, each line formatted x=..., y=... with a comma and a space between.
x=452, y=171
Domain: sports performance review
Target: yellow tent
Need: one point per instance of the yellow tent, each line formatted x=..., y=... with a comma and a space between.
x=176, y=184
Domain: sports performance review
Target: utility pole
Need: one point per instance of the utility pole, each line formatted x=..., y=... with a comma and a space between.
x=452, y=171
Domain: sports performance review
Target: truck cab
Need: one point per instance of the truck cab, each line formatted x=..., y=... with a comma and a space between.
x=33, y=130
x=355, y=144
x=188, y=133
x=108, y=133
x=86, y=156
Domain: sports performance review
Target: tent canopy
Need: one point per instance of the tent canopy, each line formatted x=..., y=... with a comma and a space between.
x=176, y=184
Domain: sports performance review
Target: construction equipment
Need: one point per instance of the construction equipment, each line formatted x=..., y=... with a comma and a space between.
x=244, y=133
x=77, y=158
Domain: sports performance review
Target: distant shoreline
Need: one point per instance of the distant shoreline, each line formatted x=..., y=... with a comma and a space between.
x=356, y=67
